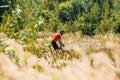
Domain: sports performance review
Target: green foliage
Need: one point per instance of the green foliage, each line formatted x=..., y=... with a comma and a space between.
x=61, y=0
x=95, y=13
x=68, y=11
x=97, y=16
x=3, y=9
x=77, y=8
x=117, y=28
x=52, y=5
x=54, y=24
x=88, y=29
x=65, y=12
x=28, y=17
x=8, y=50
x=4, y=2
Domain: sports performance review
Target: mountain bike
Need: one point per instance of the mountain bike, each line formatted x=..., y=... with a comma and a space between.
x=60, y=53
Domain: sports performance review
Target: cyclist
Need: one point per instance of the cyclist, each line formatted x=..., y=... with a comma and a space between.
x=57, y=38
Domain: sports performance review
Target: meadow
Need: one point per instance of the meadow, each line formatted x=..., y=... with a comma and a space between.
x=92, y=36
x=98, y=59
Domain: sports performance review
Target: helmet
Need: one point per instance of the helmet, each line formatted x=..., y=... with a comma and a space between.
x=62, y=31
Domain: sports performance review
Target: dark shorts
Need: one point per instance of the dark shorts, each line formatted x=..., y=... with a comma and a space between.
x=55, y=46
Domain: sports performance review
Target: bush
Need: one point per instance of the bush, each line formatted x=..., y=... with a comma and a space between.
x=104, y=27
x=64, y=15
x=88, y=29
x=3, y=9
x=66, y=12
x=61, y=0
x=51, y=6
x=117, y=28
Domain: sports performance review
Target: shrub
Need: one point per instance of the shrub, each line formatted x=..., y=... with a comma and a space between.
x=66, y=12
x=88, y=29
x=51, y=5
x=3, y=9
x=117, y=28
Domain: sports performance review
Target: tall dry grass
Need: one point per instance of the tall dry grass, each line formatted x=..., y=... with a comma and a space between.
x=100, y=60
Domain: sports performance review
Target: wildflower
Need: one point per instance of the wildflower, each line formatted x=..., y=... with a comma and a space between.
x=35, y=25
x=40, y=22
x=18, y=10
x=11, y=25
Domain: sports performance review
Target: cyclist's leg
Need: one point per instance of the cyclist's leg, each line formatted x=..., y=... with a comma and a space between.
x=55, y=46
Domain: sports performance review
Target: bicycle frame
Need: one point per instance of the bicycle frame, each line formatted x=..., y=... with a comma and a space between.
x=60, y=50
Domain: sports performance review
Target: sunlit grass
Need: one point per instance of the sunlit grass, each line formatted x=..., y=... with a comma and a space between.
x=88, y=56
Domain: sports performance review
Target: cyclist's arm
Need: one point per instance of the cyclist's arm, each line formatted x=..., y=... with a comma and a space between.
x=60, y=42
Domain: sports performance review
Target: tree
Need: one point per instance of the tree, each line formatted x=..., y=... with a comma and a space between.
x=3, y=8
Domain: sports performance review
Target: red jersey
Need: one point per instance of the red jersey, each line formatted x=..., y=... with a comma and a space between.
x=56, y=37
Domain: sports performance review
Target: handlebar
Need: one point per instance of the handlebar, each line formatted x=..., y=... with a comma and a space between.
x=61, y=46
